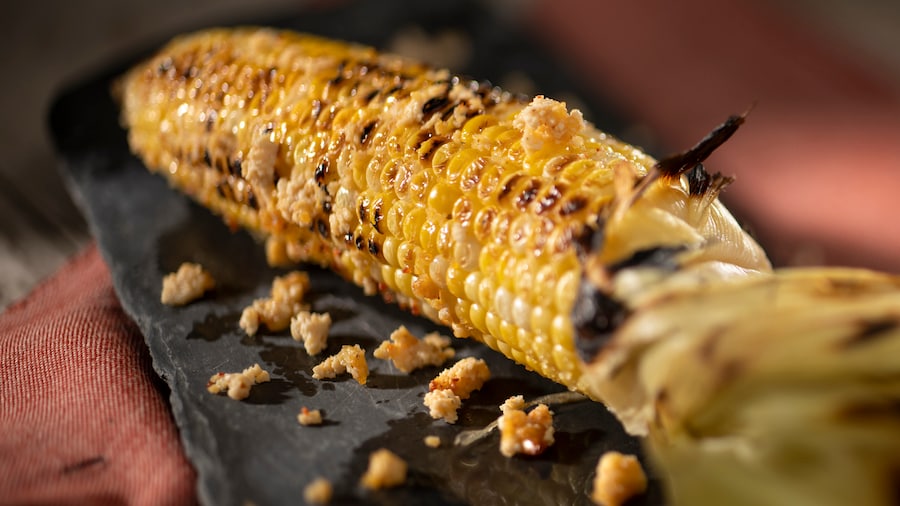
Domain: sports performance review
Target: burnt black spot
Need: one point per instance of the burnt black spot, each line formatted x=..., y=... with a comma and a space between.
x=364, y=136
x=164, y=66
x=680, y=163
x=662, y=257
x=373, y=247
x=360, y=242
x=251, y=199
x=549, y=199
x=210, y=120
x=189, y=72
x=573, y=205
x=449, y=111
x=236, y=167
x=348, y=237
x=370, y=96
x=528, y=194
x=589, y=239
x=377, y=215
x=340, y=73
x=321, y=172
x=433, y=105
x=393, y=90
x=326, y=207
x=872, y=330
x=206, y=158
x=596, y=316
x=422, y=137
x=221, y=189
x=363, y=210
x=322, y=227
x=508, y=186
x=270, y=126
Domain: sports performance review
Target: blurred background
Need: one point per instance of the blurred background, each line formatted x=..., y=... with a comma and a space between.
x=817, y=164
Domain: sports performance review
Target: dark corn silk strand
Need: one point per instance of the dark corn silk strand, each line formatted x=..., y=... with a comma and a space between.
x=450, y=197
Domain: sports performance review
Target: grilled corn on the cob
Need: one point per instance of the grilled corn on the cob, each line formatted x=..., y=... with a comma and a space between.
x=519, y=224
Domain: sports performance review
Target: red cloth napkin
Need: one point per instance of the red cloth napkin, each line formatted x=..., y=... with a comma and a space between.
x=84, y=421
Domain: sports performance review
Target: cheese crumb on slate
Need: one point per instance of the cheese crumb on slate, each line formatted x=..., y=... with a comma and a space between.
x=187, y=284
x=527, y=433
x=451, y=386
x=276, y=311
x=350, y=359
x=385, y=470
x=619, y=477
x=312, y=330
x=432, y=441
x=408, y=353
x=309, y=416
x=237, y=385
x=319, y=491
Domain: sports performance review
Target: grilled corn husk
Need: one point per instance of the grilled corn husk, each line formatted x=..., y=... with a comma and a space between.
x=519, y=224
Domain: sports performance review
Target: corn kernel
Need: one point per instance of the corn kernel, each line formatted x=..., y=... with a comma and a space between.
x=477, y=316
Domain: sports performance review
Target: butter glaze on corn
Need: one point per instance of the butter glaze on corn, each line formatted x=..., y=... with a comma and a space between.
x=455, y=199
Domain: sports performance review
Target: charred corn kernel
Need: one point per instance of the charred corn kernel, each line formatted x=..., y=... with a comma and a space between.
x=476, y=208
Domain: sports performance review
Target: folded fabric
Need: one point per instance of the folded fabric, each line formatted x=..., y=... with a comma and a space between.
x=84, y=417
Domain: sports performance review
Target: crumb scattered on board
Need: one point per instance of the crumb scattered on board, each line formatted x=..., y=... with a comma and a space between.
x=312, y=330
x=452, y=385
x=432, y=441
x=237, y=385
x=308, y=416
x=619, y=477
x=186, y=285
x=408, y=353
x=350, y=359
x=319, y=491
x=526, y=433
x=276, y=311
x=385, y=470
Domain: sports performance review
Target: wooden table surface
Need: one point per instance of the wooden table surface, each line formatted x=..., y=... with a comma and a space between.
x=47, y=44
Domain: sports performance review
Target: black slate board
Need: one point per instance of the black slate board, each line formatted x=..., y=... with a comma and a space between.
x=255, y=451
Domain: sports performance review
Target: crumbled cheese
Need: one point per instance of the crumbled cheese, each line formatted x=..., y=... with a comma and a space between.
x=619, y=477
x=408, y=353
x=237, y=384
x=451, y=386
x=547, y=121
x=312, y=330
x=385, y=470
x=443, y=403
x=514, y=402
x=463, y=378
x=187, y=284
x=432, y=441
x=319, y=491
x=350, y=359
x=309, y=416
x=259, y=167
x=530, y=433
x=299, y=199
x=275, y=312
